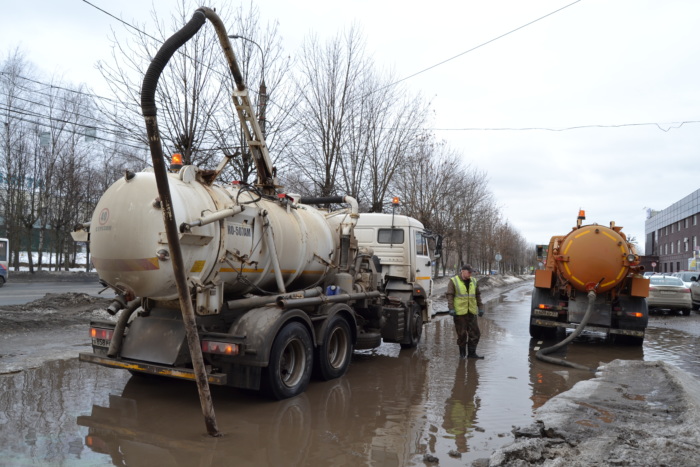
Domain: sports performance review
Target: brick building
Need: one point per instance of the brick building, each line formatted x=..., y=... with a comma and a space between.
x=672, y=236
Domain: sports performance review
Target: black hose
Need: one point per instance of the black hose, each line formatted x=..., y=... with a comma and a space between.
x=115, y=347
x=150, y=80
x=541, y=354
x=323, y=200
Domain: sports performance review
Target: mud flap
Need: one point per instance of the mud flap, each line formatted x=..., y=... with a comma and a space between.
x=394, y=329
x=156, y=340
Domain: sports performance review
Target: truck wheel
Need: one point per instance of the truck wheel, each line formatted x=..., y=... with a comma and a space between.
x=543, y=332
x=291, y=359
x=632, y=341
x=415, y=328
x=368, y=340
x=334, y=354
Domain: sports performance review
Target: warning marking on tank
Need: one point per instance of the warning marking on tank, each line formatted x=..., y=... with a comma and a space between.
x=568, y=271
x=566, y=250
x=137, y=264
x=198, y=266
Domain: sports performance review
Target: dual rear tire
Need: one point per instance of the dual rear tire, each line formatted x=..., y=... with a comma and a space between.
x=293, y=359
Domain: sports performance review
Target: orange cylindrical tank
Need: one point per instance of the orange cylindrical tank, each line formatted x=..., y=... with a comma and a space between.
x=594, y=254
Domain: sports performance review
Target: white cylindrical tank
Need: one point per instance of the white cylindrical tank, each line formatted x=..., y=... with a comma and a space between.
x=130, y=250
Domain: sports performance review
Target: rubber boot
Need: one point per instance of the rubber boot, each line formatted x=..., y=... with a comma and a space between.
x=472, y=353
x=462, y=351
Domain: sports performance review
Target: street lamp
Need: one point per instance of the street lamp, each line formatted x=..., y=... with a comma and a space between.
x=262, y=103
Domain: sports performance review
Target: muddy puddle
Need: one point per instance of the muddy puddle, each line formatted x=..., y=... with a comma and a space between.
x=392, y=407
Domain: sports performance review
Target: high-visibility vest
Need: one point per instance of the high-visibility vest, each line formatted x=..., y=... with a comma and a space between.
x=465, y=300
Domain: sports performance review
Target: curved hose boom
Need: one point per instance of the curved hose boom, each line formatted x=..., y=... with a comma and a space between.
x=251, y=128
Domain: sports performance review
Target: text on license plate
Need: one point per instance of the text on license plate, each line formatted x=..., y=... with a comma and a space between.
x=100, y=342
x=663, y=292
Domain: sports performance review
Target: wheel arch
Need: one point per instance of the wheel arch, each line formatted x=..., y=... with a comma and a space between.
x=260, y=327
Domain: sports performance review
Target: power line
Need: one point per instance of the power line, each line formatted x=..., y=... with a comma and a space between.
x=53, y=86
x=58, y=120
x=476, y=47
x=668, y=127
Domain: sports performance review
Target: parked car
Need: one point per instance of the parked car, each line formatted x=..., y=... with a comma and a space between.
x=668, y=293
x=688, y=277
x=695, y=293
x=648, y=273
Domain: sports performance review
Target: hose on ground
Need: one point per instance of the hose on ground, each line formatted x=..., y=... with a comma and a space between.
x=542, y=353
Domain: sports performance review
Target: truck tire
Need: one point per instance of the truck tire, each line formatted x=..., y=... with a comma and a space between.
x=415, y=327
x=291, y=360
x=335, y=352
x=368, y=340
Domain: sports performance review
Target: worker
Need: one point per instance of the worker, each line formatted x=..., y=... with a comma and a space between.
x=464, y=302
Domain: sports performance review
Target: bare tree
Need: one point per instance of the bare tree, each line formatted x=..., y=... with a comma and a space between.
x=197, y=113
x=355, y=127
x=16, y=111
x=427, y=178
x=190, y=91
x=328, y=87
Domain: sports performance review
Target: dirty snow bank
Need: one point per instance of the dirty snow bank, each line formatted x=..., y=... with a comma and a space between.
x=633, y=413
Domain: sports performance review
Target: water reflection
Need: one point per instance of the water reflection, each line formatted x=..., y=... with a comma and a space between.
x=371, y=416
x=38, y=410
x=462, y=406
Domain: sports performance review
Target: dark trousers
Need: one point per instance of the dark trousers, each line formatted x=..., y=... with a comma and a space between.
x=468, y=332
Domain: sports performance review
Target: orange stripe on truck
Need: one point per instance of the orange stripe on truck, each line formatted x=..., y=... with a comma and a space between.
x=136, y=264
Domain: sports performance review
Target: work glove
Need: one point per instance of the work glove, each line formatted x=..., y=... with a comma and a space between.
x=451, y=312
x=481, y=312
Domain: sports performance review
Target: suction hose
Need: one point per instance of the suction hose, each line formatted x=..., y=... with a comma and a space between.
x=115, y=346
x=542, y=353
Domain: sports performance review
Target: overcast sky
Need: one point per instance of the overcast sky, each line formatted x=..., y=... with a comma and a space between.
x=624, y=72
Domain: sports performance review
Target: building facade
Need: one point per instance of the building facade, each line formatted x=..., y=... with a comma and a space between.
x=672, y=235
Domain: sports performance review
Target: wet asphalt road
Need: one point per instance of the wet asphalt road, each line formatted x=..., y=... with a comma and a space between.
x=392, y=407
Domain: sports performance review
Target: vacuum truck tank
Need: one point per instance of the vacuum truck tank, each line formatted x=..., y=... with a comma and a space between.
x=590, y=258
x=236, y=255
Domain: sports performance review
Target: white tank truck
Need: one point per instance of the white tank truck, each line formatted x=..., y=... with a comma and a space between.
x=280, y=290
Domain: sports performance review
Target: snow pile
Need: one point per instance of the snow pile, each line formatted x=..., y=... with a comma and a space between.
x=633, y=413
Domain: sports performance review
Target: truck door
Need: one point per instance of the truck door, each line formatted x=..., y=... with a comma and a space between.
x=423, y=263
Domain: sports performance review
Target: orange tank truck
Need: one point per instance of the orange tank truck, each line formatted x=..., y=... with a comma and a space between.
x=598, y=258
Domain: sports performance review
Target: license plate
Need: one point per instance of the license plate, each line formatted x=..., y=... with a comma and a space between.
x=551, y=314
x=667, y=293
x=100, y=342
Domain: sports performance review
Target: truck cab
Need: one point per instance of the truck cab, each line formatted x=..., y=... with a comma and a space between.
x=400, y=244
